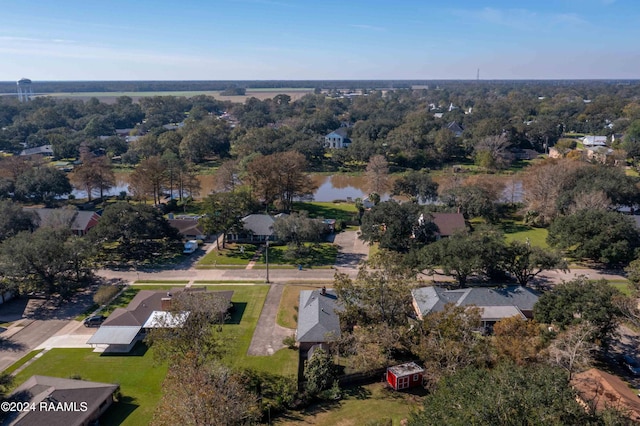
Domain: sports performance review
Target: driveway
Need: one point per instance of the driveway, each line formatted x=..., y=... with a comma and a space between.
x=352, y=250
x=268, y=335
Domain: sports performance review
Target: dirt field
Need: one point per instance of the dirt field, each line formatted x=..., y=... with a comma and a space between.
x=110, y=97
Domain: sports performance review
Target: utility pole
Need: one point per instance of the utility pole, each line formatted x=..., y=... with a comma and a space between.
x=266, y=258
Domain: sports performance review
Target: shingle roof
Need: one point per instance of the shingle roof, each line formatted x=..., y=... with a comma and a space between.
x=53, y=389
x=448, y=223
x=342, y=131
x=44, y=150
x=607, y=391
x=433, y=299
x=187, y=226
x=259, y=224
x=77, y=220
x=318, y=316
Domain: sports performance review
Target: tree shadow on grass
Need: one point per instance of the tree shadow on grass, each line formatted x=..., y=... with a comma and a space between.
x=236, y=313
x=357, y=392
x=119, y=411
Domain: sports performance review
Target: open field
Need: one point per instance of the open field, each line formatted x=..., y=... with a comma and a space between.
x=110, y=97
x=516, y=230
x=361, y=405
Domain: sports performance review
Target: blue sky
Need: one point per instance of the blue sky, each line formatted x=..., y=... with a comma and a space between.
x=318, y=39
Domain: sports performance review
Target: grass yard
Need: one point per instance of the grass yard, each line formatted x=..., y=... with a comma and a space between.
x=322, y=255
x=22, y=361
x=248, y=301
x=288, y=308
x=623, y=285
x=328, y=210
x=139, y=377
x=516, y=230
x=361, y=404
x=233, y=255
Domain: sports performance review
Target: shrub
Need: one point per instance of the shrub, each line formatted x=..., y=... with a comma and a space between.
x=105, y=293
x=290, y=342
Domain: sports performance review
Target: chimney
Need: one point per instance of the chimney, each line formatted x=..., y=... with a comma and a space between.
x=165, y=303
x=323, y=291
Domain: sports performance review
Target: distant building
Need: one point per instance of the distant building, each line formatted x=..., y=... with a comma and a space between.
x=455, y=128
x=257, y=228
x=337, y=139
x=79, y=221
x=592, y=141
x=44, y=150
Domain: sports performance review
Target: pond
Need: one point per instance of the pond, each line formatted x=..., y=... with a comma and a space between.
x=329, y=187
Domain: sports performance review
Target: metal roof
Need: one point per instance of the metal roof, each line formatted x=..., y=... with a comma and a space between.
x=114, y=335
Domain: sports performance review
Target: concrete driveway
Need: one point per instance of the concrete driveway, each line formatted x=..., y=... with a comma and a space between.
x=352, y=250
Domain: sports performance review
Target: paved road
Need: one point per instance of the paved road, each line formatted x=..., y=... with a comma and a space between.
x=35, y=322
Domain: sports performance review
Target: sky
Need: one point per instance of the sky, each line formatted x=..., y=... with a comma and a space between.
x=71, y=40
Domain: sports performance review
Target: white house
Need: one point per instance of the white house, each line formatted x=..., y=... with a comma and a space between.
x=591, y=141
x=337, y=139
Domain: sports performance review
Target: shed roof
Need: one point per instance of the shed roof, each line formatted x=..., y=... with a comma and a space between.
x=406, y=369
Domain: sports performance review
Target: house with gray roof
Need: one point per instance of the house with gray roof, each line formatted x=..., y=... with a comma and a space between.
x=44, y=150
x=455, y=128
x=495, y=303
x=148, y=309
x=61, y=402
x=337, y=139
x=79, y=221
x=318, y=321
x=257, y=228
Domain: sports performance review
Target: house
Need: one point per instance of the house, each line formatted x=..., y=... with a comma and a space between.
x=79, y=221
x=599, y=390
x=591, y=141
x=337, y=139
x=318, y=321
x=148, y=309
x=44, y=150
x=448, y=223
x=496, y=303
x=405, y=376
x=257, y=228
x=456, y=128
x=189, y=228
x=59, y=401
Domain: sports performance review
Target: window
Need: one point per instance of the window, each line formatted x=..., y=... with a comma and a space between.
x=415, y=377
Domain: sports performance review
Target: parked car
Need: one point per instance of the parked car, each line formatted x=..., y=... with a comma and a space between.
x=631, y=364
x=94, y=321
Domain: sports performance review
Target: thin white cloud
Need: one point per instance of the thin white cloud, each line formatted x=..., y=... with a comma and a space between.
x=367, y=27
x=521, y=19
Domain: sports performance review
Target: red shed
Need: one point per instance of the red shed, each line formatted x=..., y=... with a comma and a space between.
x=405, y=376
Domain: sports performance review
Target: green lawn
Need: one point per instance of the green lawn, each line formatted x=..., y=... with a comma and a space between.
x=140, y=379
x=22, y=361
x=248, y=301
x=322, y=255
x=622, y=285
x=288, y=308
x=361, y=404
x=516, y=230
x=234, y=255
x=328, y=210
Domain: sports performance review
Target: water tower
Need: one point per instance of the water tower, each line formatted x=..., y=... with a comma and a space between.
x=24, y=90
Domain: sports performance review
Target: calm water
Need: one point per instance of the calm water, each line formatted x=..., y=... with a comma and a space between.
x=330, y=188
